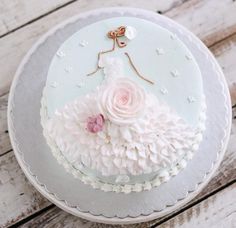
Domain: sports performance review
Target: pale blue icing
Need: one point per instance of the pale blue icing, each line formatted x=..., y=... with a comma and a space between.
x=81, y=60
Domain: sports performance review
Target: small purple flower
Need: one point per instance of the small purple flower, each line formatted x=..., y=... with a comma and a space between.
x=95, y=123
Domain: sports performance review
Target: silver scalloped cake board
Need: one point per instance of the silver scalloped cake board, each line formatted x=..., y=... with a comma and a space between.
x=70, y=194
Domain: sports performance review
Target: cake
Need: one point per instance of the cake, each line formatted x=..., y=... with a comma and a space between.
x=123, y=107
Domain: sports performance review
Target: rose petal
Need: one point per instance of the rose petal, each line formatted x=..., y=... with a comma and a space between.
x=123, y=101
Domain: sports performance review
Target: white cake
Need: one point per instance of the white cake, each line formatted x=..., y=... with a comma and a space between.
x=123, y=107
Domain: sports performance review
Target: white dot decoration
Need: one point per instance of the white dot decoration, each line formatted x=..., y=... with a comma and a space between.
x=175, y=73
x=80, y=84
x=191, y=99
x=160, y=51
x=68, y=69
x=80, y=165
x=83, y=43
x=61, y=54
x=122, y=179
x=164, y=91
x=188, y=57
x=173, y=36
x=54, y=84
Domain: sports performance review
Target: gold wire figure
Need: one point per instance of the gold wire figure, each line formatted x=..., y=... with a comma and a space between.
x=115, y=35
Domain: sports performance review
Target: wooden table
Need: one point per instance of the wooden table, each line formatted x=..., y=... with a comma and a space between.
x=22, y=22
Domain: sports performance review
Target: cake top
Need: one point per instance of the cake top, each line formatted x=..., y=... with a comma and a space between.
x=168, y=68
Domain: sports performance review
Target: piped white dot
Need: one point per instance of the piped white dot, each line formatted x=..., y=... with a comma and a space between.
x=175, y=73
x=160, y=51
x=122, y=179
x=173, y=36
x=80, y=84
x=164, y=91
x=54, y=84
x=188, y=57
x=68, y=69
x=61, y=54
x=83, y=43
x=80, y=165
x=191, y=99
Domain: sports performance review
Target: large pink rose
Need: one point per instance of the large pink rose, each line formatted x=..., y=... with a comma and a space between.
x=122, y=101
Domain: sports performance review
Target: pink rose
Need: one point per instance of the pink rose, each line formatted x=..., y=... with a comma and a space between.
x=122, y=101
x=95, y=123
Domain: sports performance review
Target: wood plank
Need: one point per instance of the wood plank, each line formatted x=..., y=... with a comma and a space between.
x=225, y=53
x=55, y=217
x=18, y=198
x=5, y=144
x=232, y=90
x=14, y=46
x=210, y=20
x=216, y=211
x=16, y=13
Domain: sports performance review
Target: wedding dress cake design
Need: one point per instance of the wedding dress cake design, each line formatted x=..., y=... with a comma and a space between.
x=120, y=136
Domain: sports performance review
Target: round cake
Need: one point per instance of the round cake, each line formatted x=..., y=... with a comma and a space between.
x=123, y=107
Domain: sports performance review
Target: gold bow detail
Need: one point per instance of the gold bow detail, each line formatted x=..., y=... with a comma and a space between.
x=115, y=34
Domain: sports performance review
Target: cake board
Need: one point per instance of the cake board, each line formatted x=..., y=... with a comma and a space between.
x=70, y=194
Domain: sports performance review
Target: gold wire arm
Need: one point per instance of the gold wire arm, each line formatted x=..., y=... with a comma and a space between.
x=135, y=69
x=98, y=67
x=99, y=56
